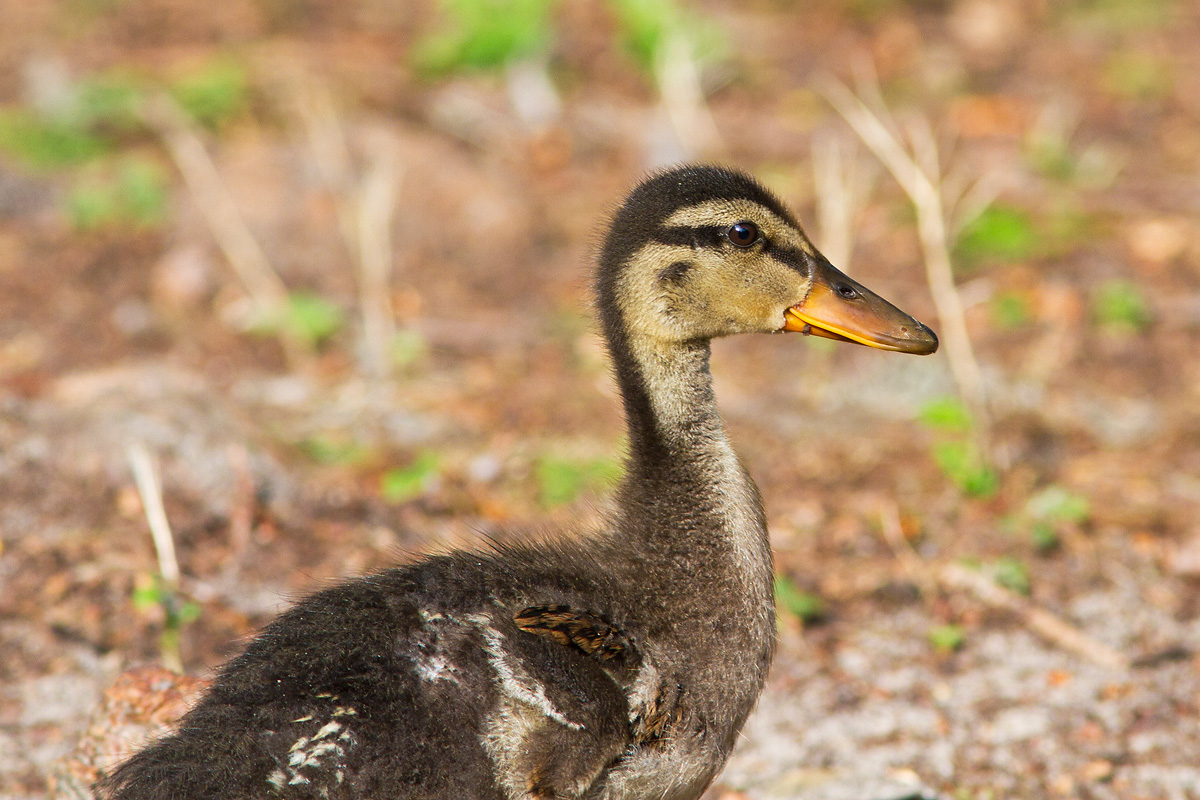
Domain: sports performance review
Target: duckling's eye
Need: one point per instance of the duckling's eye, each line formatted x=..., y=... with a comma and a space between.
x=743, y=234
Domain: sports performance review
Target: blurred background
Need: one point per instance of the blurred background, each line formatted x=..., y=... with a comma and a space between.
x=303, y=286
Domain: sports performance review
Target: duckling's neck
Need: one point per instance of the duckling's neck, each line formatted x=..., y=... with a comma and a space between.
x=683, y=474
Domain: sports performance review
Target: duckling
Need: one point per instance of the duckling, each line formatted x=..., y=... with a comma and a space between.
x=620, y=664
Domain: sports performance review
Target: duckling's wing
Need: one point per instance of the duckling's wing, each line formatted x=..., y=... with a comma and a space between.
x=586, y=631
x=654, y=702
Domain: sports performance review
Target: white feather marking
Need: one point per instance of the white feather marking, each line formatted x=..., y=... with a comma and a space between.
x=521, y=688
x=328, y=729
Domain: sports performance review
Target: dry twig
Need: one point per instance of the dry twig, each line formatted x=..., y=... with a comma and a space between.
x=1041, y=621
x=150, y=491
x=366, y=210
x=952, y=577
x=683, y=99
x=842, y=186
x=376, y=210
x=228, y=227
x=918, y=171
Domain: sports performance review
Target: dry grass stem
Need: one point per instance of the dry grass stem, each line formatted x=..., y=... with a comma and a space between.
x=918, y=171
x=228, y=227
x=532, y=93
x=955, y=577
x=366, y=209
x=313, y=104
x=683, y=99
x=150, y=491
x=842, y=187
x=1039, y=620
x=376, y=212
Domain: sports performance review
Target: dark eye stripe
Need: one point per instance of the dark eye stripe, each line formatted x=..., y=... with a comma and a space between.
x=701, y=236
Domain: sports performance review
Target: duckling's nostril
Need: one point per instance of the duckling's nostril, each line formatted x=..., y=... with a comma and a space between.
x=847, y=292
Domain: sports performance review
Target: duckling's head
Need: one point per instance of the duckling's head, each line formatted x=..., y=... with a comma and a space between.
x=698, y=252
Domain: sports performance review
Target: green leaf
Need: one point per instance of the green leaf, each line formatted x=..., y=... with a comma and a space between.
x=41, y=143
x=561, y=480
x=142, y=193
x=1000, y=233
x=334, y=450
x=147, y=594
x=647, y=25
x=213, y=94
x=947, y=638
x=485, y=34
x=961, y=463
x=1044, y=537
x=111, y=99
x=1010, y=573
x=1137, y=75
x=188, y=613
x=311, y=318
x=91, y=205
x=406, y=483
x=134, y=194
x=1056, y=504
x=1119, y=304
x=806, y=606
x=407, y=348
x=945, y=413
x=1010, y=310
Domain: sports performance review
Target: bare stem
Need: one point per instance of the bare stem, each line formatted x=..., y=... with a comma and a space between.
x=150, y=491
x=376, y=210
x=917, y=171
x=229, y=228
x=683, y=98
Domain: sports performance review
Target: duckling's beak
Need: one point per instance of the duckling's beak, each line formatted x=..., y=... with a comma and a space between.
x=842, y=309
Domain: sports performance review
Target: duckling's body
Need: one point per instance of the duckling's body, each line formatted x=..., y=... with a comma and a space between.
x=616, y=665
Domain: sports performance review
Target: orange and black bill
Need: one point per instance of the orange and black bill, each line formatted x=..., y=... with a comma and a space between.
x=842, y=309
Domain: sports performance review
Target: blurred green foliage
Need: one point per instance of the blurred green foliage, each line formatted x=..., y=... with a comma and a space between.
x=947, y=638
x=562, y=480
x=1056, y=504
x=1012, y=574
x=1136, y=75
x=1000, y=233
x=134, y=195
x=152, y=595
x=791, y=599
x=1046, y=512
x=1119, y=305
x=407, y=348
x=485, y=34
x=1010, y=310
x=490, y=34
x=334, y=449
x=310, y=318
x=958, y=457
x=962, y=463
x=945, y=413
x=648, y=25
x=214, y=93
x=41, y=142
x=109, y=100
x=1118, y=15
x=406, y=483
